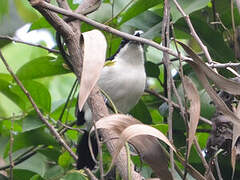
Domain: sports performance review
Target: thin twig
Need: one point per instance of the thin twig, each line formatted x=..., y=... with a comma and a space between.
x=50, y=127
x=99, y=144
x=193, y=32
x=110, y=29
x=223, y=65
x=204, y=162
x=150, y=91
x=27, y=43
x=90, y=174
x=10, y=149
x=217, y=168
x=165, y=42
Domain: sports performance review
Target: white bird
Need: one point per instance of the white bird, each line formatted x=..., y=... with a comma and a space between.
x=124, y=79
x=124, y=82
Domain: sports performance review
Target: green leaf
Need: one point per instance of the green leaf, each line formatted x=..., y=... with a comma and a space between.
x=36, y=164
x=36, y=177
x=68, y=114
x=137, y=8
x=149, y=22
x=141, y=112
x=3, y=9
x=65, y=160
x=73, y=5
x=162, y=127
x=32, y=138
x=30, y=122
x=17, y=54
x=23, y=173
x=74, y=176
x=6, y=89
x=52, y=153
x=38, y=92
x=42, y=67
x=188, y=6
x=39, y=24
x=152, y=70
x=26, y=11
x=54, y=172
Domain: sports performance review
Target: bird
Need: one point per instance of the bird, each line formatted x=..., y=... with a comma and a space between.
x=123, y=80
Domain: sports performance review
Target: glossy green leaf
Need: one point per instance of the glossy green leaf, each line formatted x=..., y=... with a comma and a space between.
x=38, y=92
x=23, y=173
x=74, y=176
x=211, y=38
x=141, y=112
x=152, y=70
x=162, y=127
x=30, y=122
x=42, y=67
x=40, y=23
x=36, y=164
x=5, y=88
x=73, y=4
x=137, y=8
x=65, y=160
x=54, y=172
x=26, y=11
x=188, y=6
x=51, y=152
x=32, y=138
x=18, y=54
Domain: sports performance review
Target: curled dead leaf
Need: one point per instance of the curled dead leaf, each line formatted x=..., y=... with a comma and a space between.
x=94, y=53
x=194, y=111
x=142, y=137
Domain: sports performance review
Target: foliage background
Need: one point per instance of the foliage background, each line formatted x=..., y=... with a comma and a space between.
x=49, y=83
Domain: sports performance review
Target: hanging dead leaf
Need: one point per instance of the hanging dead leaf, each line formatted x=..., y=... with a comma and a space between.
x=194, y=110
x=201, y=71
x=236, y=134
x=94, y=53
x=228, y=85
x=148, y=147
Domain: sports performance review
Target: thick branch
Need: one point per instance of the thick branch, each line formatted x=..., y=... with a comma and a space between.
x=71, y=35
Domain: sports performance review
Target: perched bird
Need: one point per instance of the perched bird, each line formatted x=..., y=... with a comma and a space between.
x=123, y=80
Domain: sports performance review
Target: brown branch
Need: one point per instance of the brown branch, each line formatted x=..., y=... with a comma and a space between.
x=50, y=127
x=71, y=35
x=193, y=32
x=168, y=79
x=109, y=29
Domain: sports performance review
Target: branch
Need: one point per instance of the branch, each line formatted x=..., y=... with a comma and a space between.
x=154, y=93
x=71, y=35
x=109, y=29
x=50, y=127
x=193, y=32
x=27, y=43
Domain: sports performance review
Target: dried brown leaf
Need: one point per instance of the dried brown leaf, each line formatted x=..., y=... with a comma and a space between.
x=228, y=85
x=194, y=111
x=236, y=131
x=94, y=54
x=202, y=70
x=148, y=146
x=139, y=130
